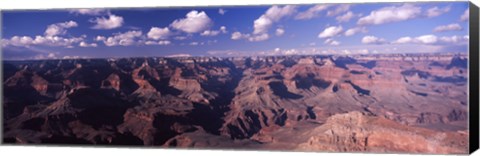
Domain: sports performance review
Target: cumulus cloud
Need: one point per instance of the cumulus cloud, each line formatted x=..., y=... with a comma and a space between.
x=252, y=38
x=210, y=33
x=59, y=28
x=353, y=31
x=391, y=14
x=194, y=22
x=256, y=38
x=194, y=43
x=180, y=37
x=426, y=39
x=121, y=39
x=432, y=39
x=339, y=9
x=279, y=32
x=222, y=11
x=45, y=56
x=403, y=40
x=112, y=22
x=345, y=17
x=237, y=35
x=56, y=41
x=454, y=39
x=17, y=41
x=312, y=12
x=85, y=44
x=89, y=11
x=158, y=33
x=449, y=27
x=331, y=42
x=262, y=24
x=373, y=40
x=50, y=38
x=330, y=32
x=272, y=15
x=222, y=29
x=162, y=42
x=435, y=11
x=465, y=15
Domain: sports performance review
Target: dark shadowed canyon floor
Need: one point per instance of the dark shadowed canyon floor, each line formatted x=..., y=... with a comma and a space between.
x=405, y=103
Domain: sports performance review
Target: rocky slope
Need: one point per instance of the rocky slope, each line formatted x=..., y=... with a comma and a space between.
x=319, y=103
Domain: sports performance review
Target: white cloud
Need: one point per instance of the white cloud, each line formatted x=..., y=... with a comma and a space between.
x=403, y=40
x=222, y=29
x=331, y=32
x=47, y=56
x=252, y=38
x=426, y=39
x=194, y=43
x=180, y=37
x=123, y=39
x=18, y=41
x=353, y=31
x=100, y=38
x=158, y=33
x=262, y=24
x=465, y=16
x=85, y=44
x=111, y=22
x=210, y=33
x=345, y=17
x=276, y=49
x=162, y=42
x=435, y=11
x=454, y=39
x=56, y=41
x=331, y=42
x=257, y=38
x=59, y=28
x=89, y=11
x=222, y=11
x=390, y=14
x=237, y=35
x=194, y=22
x=291, y=52
x=432, y=39
x=312, y=12
x=272, y=15
x=279, y=32
x=339, y=9
x=449, y=27
x=373, y=40
x=4, y=42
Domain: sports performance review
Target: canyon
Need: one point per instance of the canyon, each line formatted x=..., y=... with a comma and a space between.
x=403, y=103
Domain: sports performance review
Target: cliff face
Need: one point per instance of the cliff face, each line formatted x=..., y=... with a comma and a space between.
x=297, y=102
x=356, y=131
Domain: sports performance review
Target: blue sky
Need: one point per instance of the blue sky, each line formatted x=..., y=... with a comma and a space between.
x=236, y=30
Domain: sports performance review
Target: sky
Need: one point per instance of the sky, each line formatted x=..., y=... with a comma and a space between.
x=368, y=28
